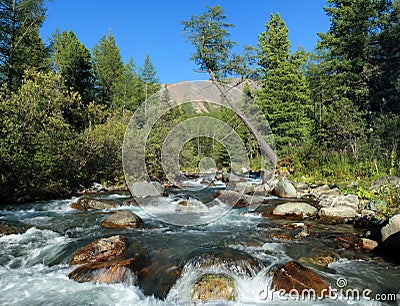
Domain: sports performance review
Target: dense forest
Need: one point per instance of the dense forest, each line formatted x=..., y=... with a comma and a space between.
x=334, y=112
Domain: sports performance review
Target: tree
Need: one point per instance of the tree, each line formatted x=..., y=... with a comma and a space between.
x=20, y=44
x=209, y=35
x=148, y=75
x=108, y=68
x=73, y=60
x=285, y=96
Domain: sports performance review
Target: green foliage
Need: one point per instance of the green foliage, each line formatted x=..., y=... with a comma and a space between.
x=389, y=197
x=148, y=75
x=285, y=96
x=20, y=44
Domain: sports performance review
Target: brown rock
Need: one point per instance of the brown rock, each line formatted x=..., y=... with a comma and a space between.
x=214, y=287
x=122, y=219
x=86, y=203
x=367, y=244
x=100, y=250
x=232, y=198
x=295, y=276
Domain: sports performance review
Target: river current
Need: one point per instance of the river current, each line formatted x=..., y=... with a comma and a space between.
x=34, y=266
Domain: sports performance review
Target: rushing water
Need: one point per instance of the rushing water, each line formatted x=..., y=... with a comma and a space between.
x=34, y=266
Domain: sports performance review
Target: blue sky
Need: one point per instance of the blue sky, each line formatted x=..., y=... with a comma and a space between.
x=153, y=27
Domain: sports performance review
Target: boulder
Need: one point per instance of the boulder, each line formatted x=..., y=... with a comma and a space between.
x=214, y=287
x=100, y=250
x=224, y=259
x=321, y=189
x=122, y=219
x=335, y=200
x=294, y=277
x=87, y=203
x=9, y=228
x=391, y=228
x=232, y=198
x=343, y=212
x=367, y=244
x=300, y=209
x=284, y=189
x=145, y=189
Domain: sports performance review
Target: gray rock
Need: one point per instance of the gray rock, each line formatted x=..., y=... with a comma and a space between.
x=349, y=200
x=144, y=189
x=321, y=189
x=284, y=189
x=391, y=228
x=338, y=212
x=295, y=208
x=122, y=219
x=88, y=203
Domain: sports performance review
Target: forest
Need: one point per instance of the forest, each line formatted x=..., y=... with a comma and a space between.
x=334, y=112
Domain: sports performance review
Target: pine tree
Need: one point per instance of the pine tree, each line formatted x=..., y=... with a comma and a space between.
x=108, y=69
x=20, y=44
x=285, y=96
x=148, y=74
x=73, y=60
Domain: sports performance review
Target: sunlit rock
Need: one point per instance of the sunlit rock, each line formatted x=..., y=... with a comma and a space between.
x=214, y=287
x=88, y=203
x=100, y=250
x=122, y=219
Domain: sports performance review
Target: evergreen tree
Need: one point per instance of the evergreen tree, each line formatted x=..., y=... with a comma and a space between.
x=73, y=60
x=148, y=74
x=20, y=44
x=108, y=69
x=285, y=96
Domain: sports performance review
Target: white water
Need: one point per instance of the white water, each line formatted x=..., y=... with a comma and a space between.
x=34, y=266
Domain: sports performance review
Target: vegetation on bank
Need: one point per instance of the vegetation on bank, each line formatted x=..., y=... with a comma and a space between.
x=335, y=112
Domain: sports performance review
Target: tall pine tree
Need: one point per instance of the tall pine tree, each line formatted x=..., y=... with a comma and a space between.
x=285, y=96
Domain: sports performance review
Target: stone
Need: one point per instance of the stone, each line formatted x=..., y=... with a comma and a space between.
x=335, y=200
x=367, y=244
x=293, y=276
x=10, y=228
x=391, y=228
x=321, y=189
x=232, y=198
x=88, y=203
x=214, y=287
x=103, y=249
x=300, y=209
x=122, y=219
x=338, y=212
x=146, y=189
x=284, y=189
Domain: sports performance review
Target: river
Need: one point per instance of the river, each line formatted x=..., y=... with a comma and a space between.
x=34, y=266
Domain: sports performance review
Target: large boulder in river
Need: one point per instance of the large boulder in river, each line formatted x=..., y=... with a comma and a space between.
x=214, y=287
x=100, y=250
x=299, y=209
x=391, y=228
x=294, y=277
x=122, y=219
x=87, y=203
x=146, y=189
x=228, y=260
x=284, y=189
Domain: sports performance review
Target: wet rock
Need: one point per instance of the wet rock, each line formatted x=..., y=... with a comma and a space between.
x=223, y=258
x=322, y=260
x=232, y=198
x=300, y=209
x=100, y=250
x=111, y=272
x=214, y=287
x=86, y=203
x=367, y=244
x=343, y=212
x=295, y=276
x=122, y=219
x=9, y=228
x=284, y=189
x=119, y=270
x=391, y=228
x=130, y=202
x=144, y=189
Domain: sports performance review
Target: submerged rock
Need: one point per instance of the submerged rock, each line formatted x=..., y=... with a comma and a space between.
x=226, y=259
x=300, y=209
x=293, y=276
x=214, y=287
x=122, y=219
x=9, y=228
x=100, y=250
x=86, y=203
x=284, y=189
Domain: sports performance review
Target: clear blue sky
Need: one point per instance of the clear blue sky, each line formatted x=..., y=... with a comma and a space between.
x=153, y=27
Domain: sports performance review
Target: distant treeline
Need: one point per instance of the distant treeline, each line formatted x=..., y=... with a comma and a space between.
x=64, y=109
